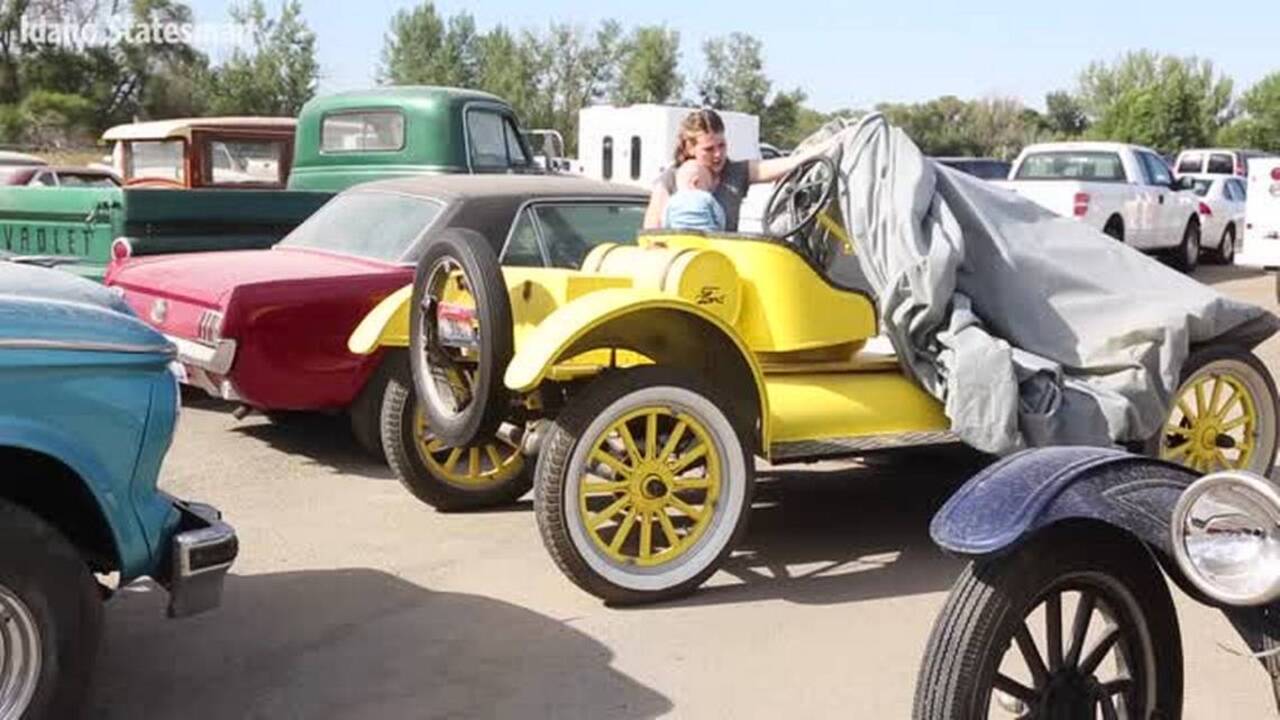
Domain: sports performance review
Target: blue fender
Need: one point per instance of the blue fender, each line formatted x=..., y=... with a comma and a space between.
x=1010, y=501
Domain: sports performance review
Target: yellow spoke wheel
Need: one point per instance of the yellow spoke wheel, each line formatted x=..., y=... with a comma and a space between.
x=489, y=473
x=1223, y=415
x=643, y=485
x=477, y=467
x=651, y=487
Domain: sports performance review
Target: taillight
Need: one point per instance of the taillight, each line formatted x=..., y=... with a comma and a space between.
x=1080, y=204
x=121, y=249
x=209, y=328
x=1241, y=170
x=1204, y=210
x=1275, y=173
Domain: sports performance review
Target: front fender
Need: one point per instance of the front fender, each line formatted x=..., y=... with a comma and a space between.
x=666, y=329
x=1010, y=501
x=386, y=325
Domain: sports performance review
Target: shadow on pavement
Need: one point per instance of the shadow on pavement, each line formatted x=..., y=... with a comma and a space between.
x=1214, y=274
x=323, y=439
x=819, y=536
x=353, y=643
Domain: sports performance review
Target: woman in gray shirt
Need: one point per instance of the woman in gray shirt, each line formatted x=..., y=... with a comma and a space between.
x=702, y=138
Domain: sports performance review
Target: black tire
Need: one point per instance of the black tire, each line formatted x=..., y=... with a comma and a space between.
x=488, y=403
x=571, y=439
x=365, y=412
x=1248, y=370
x=991, y=599
x=46, y=574
x=1187, y=254
x=1225, y=253
x=508, y=481
x=1115, y=228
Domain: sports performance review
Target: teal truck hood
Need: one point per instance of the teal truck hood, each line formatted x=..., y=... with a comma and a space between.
x=42, y=307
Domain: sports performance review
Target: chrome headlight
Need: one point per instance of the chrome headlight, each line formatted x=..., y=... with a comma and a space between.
x=1226, y=537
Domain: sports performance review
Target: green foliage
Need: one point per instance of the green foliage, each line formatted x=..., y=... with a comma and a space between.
x=1064, y=116
x=949, y=126
x=278, y=75
x=734, y=78
x=1161, y=101
x=423, y=49
x=1258, y=127
x=649, y=63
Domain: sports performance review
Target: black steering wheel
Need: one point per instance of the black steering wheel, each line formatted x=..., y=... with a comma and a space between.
x=798, y=198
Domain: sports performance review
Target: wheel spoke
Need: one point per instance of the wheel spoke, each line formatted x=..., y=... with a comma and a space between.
x=673, y=538
x=494, y=456
x=690, y=458
x=650, y=435
x=1186, y=410
x=602, y=486
x=646, y=535
x=435, y=445
x=1230, y=402
x=623, y=531
x=1009, y=686
x=694, y=484
x=1080, y=628
x=632, y=451
x=1200, y=406
x=1108, y=708
x=1218, y=384
x=1233, y=424
x=1177, y=452
x=473, y=462
x=614, y=463
x=603, y=516
x=676, y=434
x=1053, y=630
x=1220, y=458
x=1099, y=651
x=1027, y=646
x=1120, y=686
x=685, y=508
x=449, y=462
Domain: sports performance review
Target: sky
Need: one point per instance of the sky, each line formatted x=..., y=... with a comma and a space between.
x=856, y=54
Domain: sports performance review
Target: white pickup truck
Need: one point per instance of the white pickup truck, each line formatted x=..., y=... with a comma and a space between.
x=1126, y=191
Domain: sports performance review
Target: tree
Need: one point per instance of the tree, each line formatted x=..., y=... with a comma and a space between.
x=278, y=76
x=734, y=78
x=422, y=49
x=1258, y=127
x=648, y=71
x=1162, y=101
x=779, y=121
x=507, y=67
x=1064, y=115
x=574, y=71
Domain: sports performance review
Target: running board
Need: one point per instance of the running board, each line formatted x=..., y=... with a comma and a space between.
x=837, y=447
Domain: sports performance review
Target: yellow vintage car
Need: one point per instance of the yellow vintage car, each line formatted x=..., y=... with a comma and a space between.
x=649, y=380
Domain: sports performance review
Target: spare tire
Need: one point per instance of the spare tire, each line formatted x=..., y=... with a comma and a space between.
x=460, y=338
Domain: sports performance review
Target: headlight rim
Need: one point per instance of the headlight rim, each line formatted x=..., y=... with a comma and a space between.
x=1256, y=484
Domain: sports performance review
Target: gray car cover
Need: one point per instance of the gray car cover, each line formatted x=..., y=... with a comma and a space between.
x=1031, y=328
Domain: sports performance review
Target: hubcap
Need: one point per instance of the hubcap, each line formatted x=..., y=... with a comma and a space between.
x=20, y=657
x=1214, y=425
x=478, y=467
x=651, y=488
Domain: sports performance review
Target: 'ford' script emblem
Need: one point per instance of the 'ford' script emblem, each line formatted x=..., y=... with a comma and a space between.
x=159, y=311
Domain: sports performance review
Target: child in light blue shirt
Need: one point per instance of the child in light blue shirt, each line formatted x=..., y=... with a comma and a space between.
x=692, y=206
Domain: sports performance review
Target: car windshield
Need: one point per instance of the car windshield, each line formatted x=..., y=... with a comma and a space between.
x=159, y=159
x=1071, y=165
x=375, y=225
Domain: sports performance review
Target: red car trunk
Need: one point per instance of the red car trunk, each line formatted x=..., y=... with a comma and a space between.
x=289, y=312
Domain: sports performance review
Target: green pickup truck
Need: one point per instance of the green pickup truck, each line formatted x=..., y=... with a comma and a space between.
x=237, y=183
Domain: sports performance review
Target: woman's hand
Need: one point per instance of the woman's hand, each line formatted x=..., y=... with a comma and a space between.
x=770, y=170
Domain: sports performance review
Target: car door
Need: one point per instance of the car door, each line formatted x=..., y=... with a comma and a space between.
x=1170, y=209
x=1143, y=231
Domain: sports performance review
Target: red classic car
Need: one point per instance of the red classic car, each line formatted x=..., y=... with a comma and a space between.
x=269, y=328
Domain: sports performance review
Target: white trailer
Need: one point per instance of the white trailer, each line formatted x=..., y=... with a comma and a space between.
x=633, y=144
x=1261, y=239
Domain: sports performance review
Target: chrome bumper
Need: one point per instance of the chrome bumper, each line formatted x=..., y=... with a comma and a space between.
x=206, y=366
x=199, y=556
